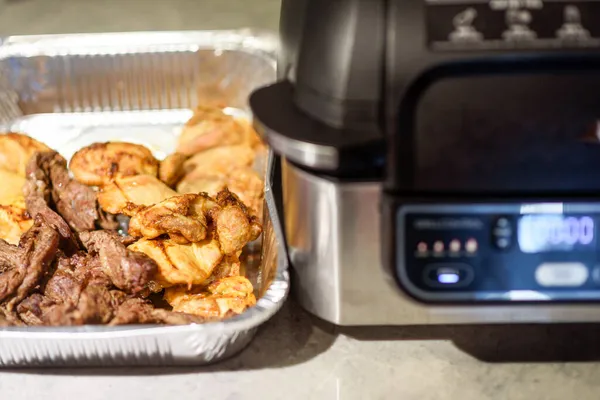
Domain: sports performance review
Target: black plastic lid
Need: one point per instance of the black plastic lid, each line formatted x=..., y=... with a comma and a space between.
x=325, y=113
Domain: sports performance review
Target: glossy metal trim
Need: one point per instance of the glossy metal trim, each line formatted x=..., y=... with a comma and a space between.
x=335, y=240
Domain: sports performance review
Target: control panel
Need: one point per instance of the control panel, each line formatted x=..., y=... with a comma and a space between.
x=499, y=252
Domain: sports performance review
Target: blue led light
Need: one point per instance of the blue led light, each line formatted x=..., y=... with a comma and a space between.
x=448, y=278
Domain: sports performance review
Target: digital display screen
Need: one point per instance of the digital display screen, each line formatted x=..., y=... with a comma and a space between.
x=544, y=233
x=530, y=136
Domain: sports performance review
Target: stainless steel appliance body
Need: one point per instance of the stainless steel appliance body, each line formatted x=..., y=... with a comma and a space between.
x=333, y=233
x=440, y=159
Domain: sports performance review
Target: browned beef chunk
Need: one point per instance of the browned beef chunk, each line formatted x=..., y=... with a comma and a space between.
x=38, y=190
x=49, y=184
x=30, y=261
x=32, y=309
x=78, y=293
x=139, y=311
x=64, y=285
x=73, y=200
x=95, y=305
x=106, y=220
x=128, y=270
x=11, y=276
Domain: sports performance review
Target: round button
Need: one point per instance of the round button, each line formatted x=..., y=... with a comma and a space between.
x=502, y=222
x=455, y=246
x=438, y=247
x=502, y=233
x=471, y=246
x=502, y=243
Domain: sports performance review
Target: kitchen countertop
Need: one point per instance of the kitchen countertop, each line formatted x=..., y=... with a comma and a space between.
x=296, y=356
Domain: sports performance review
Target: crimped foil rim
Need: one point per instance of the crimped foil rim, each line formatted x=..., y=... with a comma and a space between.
x=138, y=42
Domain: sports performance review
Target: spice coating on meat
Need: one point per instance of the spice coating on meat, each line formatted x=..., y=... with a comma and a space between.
x=38, y=194
x=128, y=270
x=24, y=265
x=101, y=163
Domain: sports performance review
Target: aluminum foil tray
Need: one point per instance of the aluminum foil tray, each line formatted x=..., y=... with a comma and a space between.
x=72, y=90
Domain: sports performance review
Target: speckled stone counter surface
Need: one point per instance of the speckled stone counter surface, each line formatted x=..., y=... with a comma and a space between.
x=296, y=356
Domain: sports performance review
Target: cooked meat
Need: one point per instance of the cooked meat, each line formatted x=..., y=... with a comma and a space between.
x=57, y=269
x=230, y=166
x=38, y=191
x=171, y=169
x=234, y=225
x=74, y=273
x=128, y=270
x=251, y=137
x=210, y=183
x=95, y=305
x=186, y=219
x=16, y=150
x=138, y=311
x=130, y=195
x=101, y=163
x=77, y=293
x=64, y=285
x=247, y=184
x=188, y=264
x=32, y=309
x=181, y=217
x=75, y=202
x=12, y=187
x=228, y=267
x=218, y=161
x=107, y=220
x=48, y=184
x=11, y=271
x=242, y=181
x=209, y=127
x=14, y=221
x=25, y=265
x=221, y=299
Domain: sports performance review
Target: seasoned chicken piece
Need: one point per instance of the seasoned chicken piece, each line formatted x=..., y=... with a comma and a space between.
x=12, y=187
x=245, y=182
x=181, y=264
x=189, y=218
x=131, y=194
x=15, y=151
x=209, y=183
x=251, y=137
x=184, y=218
x=101, y=163
x=171, y=169
x=234, y=225
x=219, y=160
x=223, y=298
x=229, y=266
x=209, y=127
x=14, y=221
